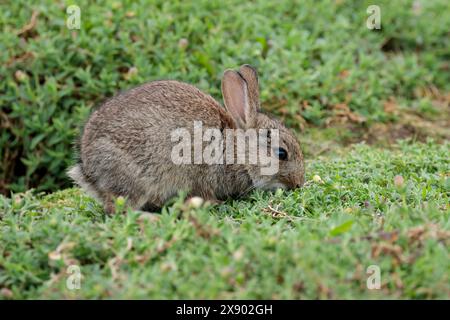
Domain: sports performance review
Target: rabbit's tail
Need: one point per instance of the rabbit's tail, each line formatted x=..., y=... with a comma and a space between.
x=77, y=175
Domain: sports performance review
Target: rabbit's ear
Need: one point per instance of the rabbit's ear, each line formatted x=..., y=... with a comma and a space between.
x=237, y=100
x=251, y=77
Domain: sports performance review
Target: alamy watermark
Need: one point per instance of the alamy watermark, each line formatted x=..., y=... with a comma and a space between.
x=374, y=20
x=374, y=280
x=213, y=146
x=73, y=281
x=74, y=17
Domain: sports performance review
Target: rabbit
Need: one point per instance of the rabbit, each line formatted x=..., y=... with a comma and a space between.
x=125, y=147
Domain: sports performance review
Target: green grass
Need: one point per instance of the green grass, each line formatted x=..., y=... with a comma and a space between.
x=318, y=245
x=312, y=56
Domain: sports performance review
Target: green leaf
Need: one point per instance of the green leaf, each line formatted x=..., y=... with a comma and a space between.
x=36, y=140
x=342, y=228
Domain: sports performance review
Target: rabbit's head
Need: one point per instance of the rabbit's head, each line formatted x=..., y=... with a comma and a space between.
x=240, y=91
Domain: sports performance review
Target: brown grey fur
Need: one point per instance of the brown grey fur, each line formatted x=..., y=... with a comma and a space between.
x=126, y=144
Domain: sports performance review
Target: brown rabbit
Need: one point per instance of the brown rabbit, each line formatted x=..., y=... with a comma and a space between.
x=126, y=145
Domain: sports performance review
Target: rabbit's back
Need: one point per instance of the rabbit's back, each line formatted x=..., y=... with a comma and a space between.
x=152, y=111
x=126, y=144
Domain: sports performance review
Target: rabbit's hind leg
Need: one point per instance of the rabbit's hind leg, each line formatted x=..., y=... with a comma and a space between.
x=108, y=199
x=130, y=191
x=114, y=173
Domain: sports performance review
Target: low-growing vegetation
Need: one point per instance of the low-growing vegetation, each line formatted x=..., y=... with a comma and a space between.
x=366, y=207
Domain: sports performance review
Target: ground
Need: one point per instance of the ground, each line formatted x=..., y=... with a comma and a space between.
x=365, y=207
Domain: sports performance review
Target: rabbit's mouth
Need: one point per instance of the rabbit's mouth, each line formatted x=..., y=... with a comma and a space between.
x=269, y=185
x=274, y=186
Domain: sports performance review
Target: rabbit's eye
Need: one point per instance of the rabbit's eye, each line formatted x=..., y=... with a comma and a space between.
x=281, y=153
